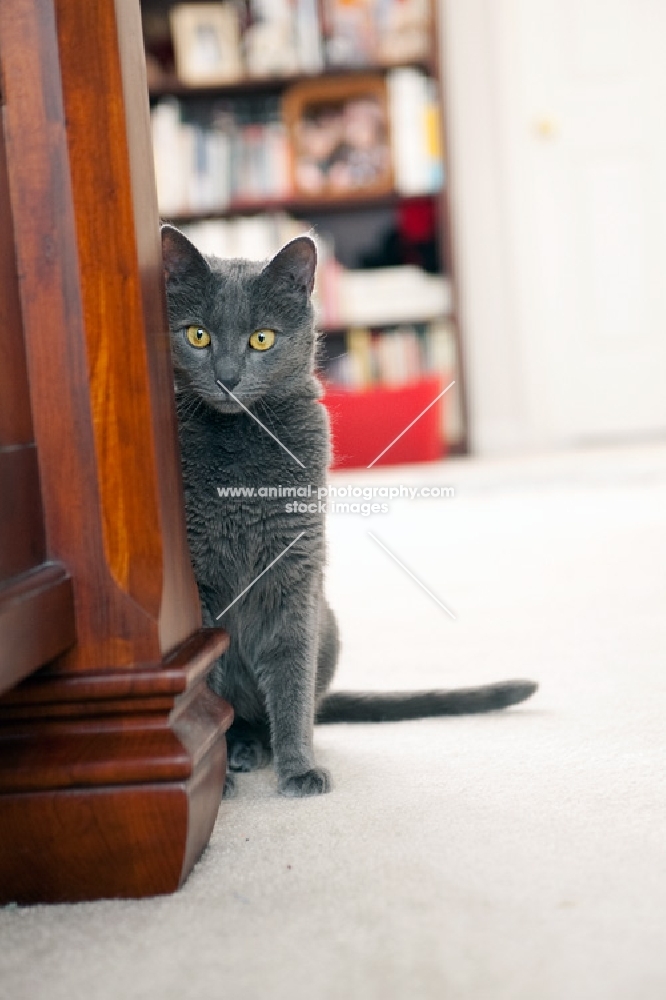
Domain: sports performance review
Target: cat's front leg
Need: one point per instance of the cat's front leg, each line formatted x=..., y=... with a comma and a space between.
x=292, y=724
x=287, y=677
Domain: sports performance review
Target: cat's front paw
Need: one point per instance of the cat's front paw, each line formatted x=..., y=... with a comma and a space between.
x=247, y=754
x=316, y=781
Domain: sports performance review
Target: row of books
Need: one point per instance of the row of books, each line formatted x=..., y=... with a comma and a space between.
x=366, y=357
x=363, y=32
x=214, y=43
x=374, y=296
x=255, y=237
x=226, y=42
x=343, y=297
x=209, y=157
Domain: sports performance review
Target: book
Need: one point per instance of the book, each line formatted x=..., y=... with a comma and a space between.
x=206, y=164
x=384, y=295
x=390, y=356
x=307, y=31
x=269, y=41
x=169, y=173
x=416, y=141
x=361, y=356
x=350, y=32
x=404, y=30
x=257, y=237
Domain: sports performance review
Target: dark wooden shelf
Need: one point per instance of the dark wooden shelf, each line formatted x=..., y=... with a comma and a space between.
x=171, y=86
x=299, y=206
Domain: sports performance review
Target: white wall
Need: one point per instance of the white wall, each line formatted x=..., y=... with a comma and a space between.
x=557, y=153
x=471, y=58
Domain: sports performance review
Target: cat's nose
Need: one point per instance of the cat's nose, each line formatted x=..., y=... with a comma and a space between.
x=228, y=381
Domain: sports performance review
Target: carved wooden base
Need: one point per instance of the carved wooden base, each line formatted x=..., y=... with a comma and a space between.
x=110, y=782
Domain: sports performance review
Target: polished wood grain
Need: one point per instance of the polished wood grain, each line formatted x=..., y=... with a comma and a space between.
x=112, y=322
x=113, y=628
x=36, y=596
x=22, y=542
x=172, y=676
x=112, y=754
x=36, y=621
x=117, y=806
x=179, y=590
x=151, y=742
x=90, y=373
x=15, y=418
x=152, y=836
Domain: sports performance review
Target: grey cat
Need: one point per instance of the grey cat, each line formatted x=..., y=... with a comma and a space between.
x=243, y=346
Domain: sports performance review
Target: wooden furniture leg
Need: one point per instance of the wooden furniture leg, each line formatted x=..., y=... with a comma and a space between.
x=112, y=754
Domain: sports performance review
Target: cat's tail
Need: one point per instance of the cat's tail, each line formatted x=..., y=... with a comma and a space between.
x=366, y=706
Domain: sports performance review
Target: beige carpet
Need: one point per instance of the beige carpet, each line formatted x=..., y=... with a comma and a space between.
x=518, y=856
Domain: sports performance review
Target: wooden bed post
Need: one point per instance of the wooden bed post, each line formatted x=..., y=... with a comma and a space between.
x=112, y=754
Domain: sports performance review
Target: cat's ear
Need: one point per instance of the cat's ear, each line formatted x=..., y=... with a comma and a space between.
x=180, y=257
x=295, y=264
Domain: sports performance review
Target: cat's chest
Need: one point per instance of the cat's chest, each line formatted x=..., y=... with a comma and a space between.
x=237, y=458
x=249, y=492
x=251, y=463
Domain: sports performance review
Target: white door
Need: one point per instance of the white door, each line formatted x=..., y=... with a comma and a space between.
x=584, y=146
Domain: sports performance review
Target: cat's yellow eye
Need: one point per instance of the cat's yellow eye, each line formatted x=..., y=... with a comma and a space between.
x=261, y=340
x=197, y=336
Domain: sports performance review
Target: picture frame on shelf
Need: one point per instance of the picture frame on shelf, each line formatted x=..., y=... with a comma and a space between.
x=339, y=131
x=206, y=42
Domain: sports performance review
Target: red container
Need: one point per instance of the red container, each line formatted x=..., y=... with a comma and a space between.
x=364, y=422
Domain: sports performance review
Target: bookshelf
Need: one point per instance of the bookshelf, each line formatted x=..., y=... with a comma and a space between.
x=167, y=84
x=296, y=206
x=256, y=183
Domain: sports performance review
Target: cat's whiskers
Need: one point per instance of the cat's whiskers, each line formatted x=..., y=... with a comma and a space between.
x=188, y=406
